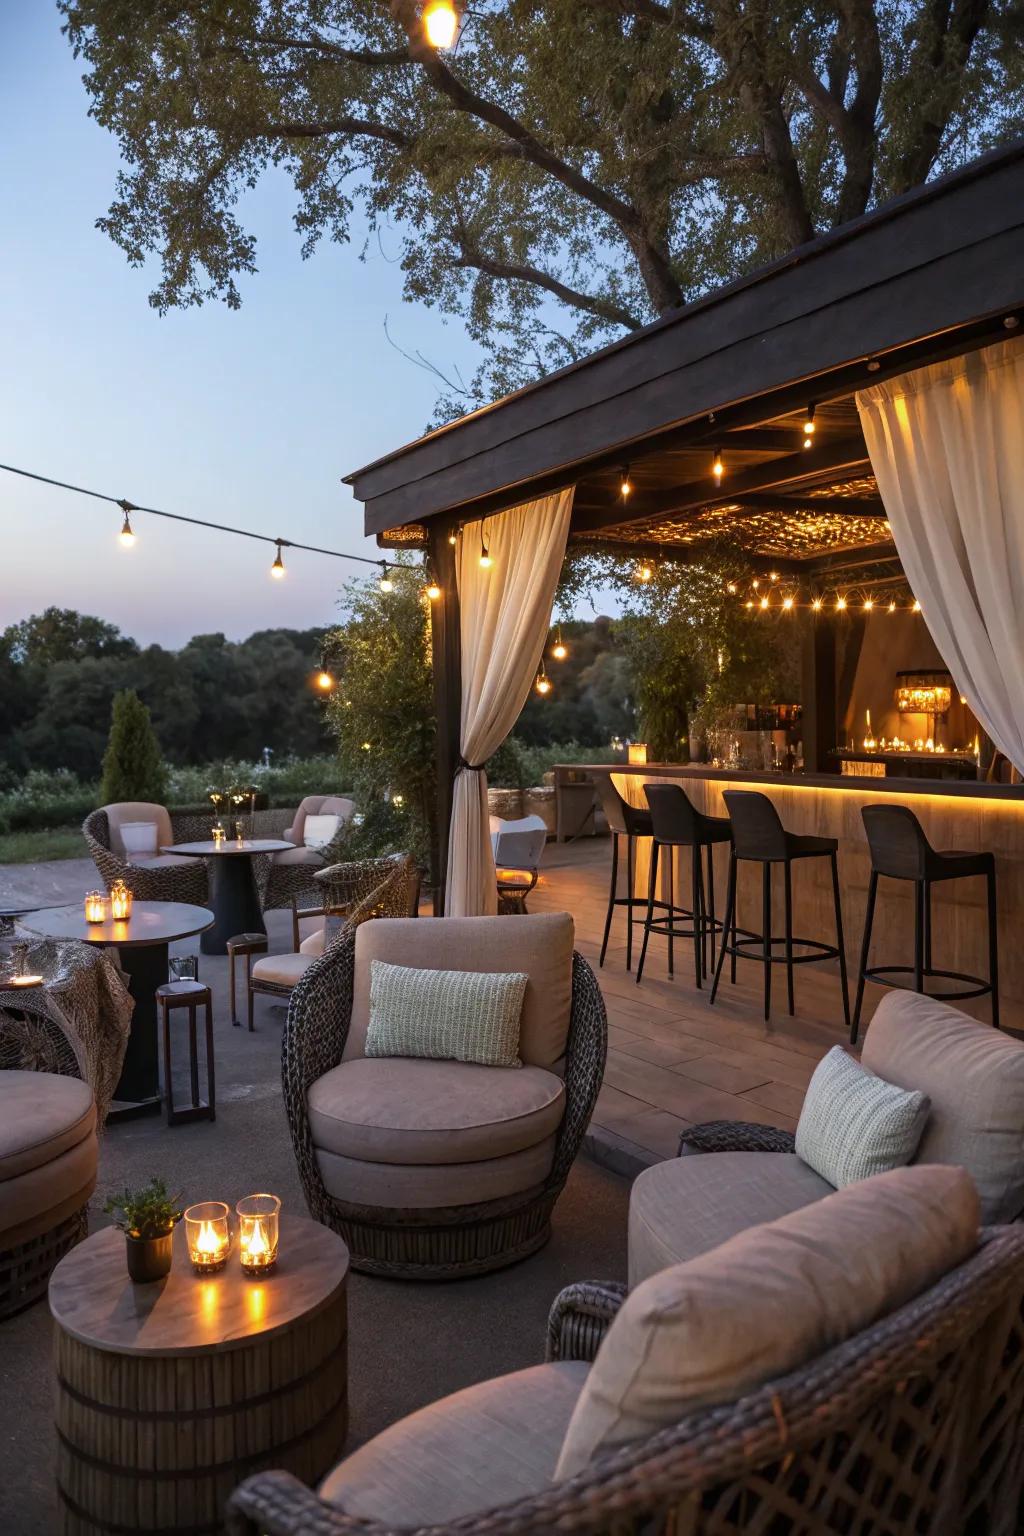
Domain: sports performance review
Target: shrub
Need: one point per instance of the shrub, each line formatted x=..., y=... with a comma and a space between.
x=133, y=768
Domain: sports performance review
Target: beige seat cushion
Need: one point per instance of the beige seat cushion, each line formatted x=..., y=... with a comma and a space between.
x=681, y=1208
x=396, y=1109
x=486, y=1446
x=431, y=1186
x=540, y=945
x=303, y=855
x=282, y=970
x=28, y=1200
x=163, y=861
x=42, y=1115
x=137, y=810
x=974, y=1076
x=318, y=805
x=769, y=1300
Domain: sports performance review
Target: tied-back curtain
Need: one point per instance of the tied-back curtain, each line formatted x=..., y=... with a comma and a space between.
x=947, y=448
x=505, y=618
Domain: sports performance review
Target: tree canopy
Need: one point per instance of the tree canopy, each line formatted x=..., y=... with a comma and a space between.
x=572, y=169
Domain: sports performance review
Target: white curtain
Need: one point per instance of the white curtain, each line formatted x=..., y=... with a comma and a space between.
x=505, y=618
x=947, y=448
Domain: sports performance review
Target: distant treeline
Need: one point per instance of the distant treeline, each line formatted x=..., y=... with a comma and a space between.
x=212, y=699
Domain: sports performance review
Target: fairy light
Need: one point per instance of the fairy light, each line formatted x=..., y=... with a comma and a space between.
x=731, y=589
x=433, y=591
x=809, y=426
x=543, y=683
x=324, y=680
x=644, y=573
x=869, y=603
x=559, y=650
x=440, y=23
x=485, y=555
x=625, y=484
x=127, y=534
x=755, y=583
x=386, y=584
x=717, y=467
x=277, y=569
x=816, y=604
x=892, y=607
x=773, y=576
x=749, y=603
x=453, y=537
x=841, y=604
x=787, y=603
x=915, y=606
x=764, y=602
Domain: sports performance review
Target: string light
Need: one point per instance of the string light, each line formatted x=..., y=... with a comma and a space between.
x=386, y=584
x=755, y=583
x=915, y=606
x=717, y=467
x=440, y=23
x=773, y=576
x=869, y=603
x=277, y=569
x=892, y=607
x=366, y=746
x=433, y=591
x=485, y=554
x=644, y=573
x=809, y=426
x=748, y=603
x=324, y=680
x=453, y=537
x=816, y=604
x=764, y=602
x=127, y=535
x=543, y=683
x=731, y=589
x=559, y=650
x=841, y=604
x=787, y=603
x=625, y=484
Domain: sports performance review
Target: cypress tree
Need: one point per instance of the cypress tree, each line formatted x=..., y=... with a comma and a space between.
x=133, y=768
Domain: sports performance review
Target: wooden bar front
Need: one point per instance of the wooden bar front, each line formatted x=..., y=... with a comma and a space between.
x=967, y=816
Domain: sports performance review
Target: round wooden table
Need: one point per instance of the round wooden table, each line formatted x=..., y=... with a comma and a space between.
x=169, y=1394
x=142, y=945
x=233, y=894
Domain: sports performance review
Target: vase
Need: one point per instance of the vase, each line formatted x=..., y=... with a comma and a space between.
x=149, y=1258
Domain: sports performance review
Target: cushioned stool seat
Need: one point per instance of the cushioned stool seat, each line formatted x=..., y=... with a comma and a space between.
x=689, y=1205
x=281, y=970
x=48, y=1152
x=488, y=1445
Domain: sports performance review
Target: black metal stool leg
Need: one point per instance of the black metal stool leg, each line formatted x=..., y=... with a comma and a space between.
x=630, y=880
x=766, y=934
x=702, y=913
x=670, y=876
x=840, y=939
x=993, y=945
x=649, y=919
x=193, y=1054
x=865, y=954
x=789, y=937
x=611, y=896
x=695, y=908
x=927, y=905
x=710, y=909
x=918, y=935
x=729, y=920
x=733, y=875
x=168, y=1083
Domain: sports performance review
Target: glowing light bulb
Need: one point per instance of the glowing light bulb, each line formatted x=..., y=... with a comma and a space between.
x=748, y=603
x=324, y=680
x=816, y=604
x=386, y=584
x=915, y=607
x=453, y=537
x=869, y=603
x=366, y=746
x=625, y=484
x=543, y=683
x=841, y=604
x=485, y=559
x=764, y=602
x=731, y=589
x=644, y=573
x=440, y=23
x=127, y=535
x=787, y=603
x=773, y=576
x=433, y=591
x=809, y=426
x=717, y=467
x=892, y=607
x=277, y=569
x=559, y=650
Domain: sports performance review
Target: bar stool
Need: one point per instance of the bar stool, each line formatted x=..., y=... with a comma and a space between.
x=759, y=836
x=624, y=820
x=901, y=851
x=191, y=995
x=247, y=944
x=677, y=823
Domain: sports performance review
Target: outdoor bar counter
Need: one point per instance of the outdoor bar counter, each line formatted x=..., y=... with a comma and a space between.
x=954, y=815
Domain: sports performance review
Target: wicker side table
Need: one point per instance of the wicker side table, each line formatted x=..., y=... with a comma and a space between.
x=169, y=1394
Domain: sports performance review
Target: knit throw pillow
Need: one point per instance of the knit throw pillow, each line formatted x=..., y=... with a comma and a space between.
x=445, y=1015
x=854, y=1124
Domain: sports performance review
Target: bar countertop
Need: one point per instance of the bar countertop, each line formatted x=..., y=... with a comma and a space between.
x=854, y=782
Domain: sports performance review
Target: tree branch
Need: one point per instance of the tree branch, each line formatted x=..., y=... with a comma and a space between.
x=355, y=126
x=323, y=45
x=518, y=272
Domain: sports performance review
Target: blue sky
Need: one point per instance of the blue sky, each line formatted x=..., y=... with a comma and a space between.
x=248, y=417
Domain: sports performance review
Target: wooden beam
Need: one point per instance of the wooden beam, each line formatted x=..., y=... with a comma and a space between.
x=446, y=649
x=848, y=453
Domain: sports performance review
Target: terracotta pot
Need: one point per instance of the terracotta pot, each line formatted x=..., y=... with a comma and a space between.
x=149, y=1258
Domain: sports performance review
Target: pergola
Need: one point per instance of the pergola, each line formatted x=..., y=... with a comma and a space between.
x=935, y=274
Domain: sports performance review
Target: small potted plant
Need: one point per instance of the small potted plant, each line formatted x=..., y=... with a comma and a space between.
x=147, y=1217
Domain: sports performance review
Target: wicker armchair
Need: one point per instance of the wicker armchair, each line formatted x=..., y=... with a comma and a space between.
x=911, y=1425
x=170, y=879
x=432, y=1242
x=50, y=1215
x=287, y=879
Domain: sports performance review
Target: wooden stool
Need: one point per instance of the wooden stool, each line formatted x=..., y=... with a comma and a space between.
x=247, y=944
x=187, y=994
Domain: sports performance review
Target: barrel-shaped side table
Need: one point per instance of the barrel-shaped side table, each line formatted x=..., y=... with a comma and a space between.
x=169, y=1394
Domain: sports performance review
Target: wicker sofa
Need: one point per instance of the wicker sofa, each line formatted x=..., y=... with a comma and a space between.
x=909, y=1422
x=434, y=1169
x=48, y=1153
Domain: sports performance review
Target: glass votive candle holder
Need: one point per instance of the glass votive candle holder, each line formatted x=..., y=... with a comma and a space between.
x=96, y=908
x=208, y=1236
x=258, y=1229
x=120, y=902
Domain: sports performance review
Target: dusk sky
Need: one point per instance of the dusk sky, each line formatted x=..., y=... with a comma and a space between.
x=248, y=417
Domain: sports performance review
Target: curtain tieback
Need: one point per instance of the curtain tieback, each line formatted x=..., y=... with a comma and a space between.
x=471, y=767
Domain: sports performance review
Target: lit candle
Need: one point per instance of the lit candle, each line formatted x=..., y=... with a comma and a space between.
x=207, y=1236
x=637, y=752
x=26, y=981
x=120, y=901
x=95, y=907
x=258, y=1227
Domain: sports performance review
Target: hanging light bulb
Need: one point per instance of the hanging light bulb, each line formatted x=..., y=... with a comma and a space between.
x=485, y=554
x=749, y=603
x=543, y=683
x=127, y=534
x=644, y=573
x=453, y=537
x=386, y=584
x=869, y=603
x=816, y=604
x=717, y=467
x=324, y=680
x=787, y=603
x=625, y=484
x=915, y=606
x=764, y=602
x=892, y=607
x=809, y=426
x=773, y=576
x=277, y=569
x=433, y=591
x=755, y=583
x=841, y=604
x=559, y=650
x=440, y=23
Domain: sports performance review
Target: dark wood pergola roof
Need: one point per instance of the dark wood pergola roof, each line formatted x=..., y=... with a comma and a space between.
x=933, y=274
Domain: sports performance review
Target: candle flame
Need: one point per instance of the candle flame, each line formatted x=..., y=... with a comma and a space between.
x=209, y=1240
x=257, y=1246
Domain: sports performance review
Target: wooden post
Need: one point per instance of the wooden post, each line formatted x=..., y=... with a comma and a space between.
x=819, y=694
x=446, y=648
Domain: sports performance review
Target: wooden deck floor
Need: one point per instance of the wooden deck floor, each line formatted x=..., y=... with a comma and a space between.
x=673, y=1060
